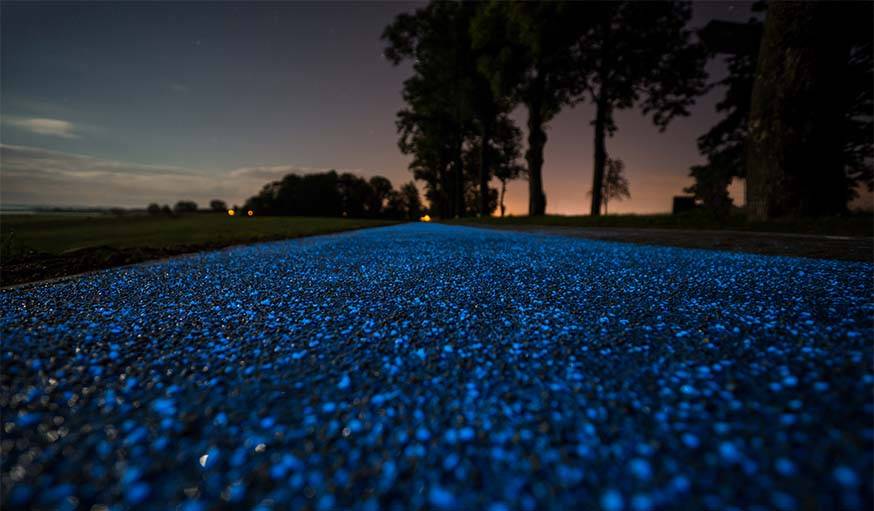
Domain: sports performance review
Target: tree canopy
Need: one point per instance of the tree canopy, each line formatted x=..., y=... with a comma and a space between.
x=527, y=51
x=185, y=206
x=724, y=145
x=637, y=54
x=451, y=107
x=218, y=205
x=331, y=194
x=615, y=185
x=474, y=63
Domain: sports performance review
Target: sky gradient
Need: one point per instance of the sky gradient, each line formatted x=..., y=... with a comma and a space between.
x=123, y=104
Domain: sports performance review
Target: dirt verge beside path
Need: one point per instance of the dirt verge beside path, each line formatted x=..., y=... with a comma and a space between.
x=844, y=248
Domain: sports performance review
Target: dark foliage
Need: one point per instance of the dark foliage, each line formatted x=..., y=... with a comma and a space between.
x=858, y=101
x=329, y=194
x=473, y=62
x=615, y=185
x=724, y=144
x=528, y=51
x=451, y=107
x=218, y=205
x=637, y=54
x=409, y=201
x=185, y=206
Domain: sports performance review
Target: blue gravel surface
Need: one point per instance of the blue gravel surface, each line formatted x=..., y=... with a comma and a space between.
x=425, y=366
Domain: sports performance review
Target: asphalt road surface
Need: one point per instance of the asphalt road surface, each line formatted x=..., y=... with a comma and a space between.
x=434, y=367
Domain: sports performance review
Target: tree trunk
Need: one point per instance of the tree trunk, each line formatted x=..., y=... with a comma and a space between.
x=534, y=157
x=794, y=153
x=503, y=192
x=602, y=115
x=484, y=169
x=602, y=111
x=459, y=180
x=444, y=205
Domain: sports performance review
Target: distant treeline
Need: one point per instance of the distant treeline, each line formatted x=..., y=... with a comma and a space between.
x=331, y=194
x=326, y=194
x=180, y=208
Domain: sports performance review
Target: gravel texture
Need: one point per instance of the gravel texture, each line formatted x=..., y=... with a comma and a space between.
x=435, y=367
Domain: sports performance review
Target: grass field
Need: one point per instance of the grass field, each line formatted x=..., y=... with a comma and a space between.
x=854, y=225
x=36, y=247
x=55, y=234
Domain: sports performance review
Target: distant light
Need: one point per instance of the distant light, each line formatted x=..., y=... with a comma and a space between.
x=426, y=218
x=231, y=212
x=250, y=212
x=204, y=459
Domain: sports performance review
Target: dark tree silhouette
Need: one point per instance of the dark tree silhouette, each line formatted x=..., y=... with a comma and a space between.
x=615, y=185
x=858, y=101
x=438, y=116
x=410, y=202
x=527, y=51
x=380, y=188
x=637, y=53
x=724, y=143
x=811, y=109
x=185, y=206
x=506, y=159
x=491, y=103
x=472, y=195
x=153, y=209
x=218, y=205
x=310, y=195
x=503, y=154
x=429, y=140
x=473, y=62
x=394, y=206
x=330, y=194
x=355, y=195
x=472, y=186
x=454, y=107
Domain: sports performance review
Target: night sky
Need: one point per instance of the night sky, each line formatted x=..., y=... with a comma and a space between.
x=123, y=104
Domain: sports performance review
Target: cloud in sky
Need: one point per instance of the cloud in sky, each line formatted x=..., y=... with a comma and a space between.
x=44, y=126
x=36, y=176
x=267, y=173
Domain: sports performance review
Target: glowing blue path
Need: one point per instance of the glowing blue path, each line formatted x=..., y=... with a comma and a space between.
x=426, y=366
